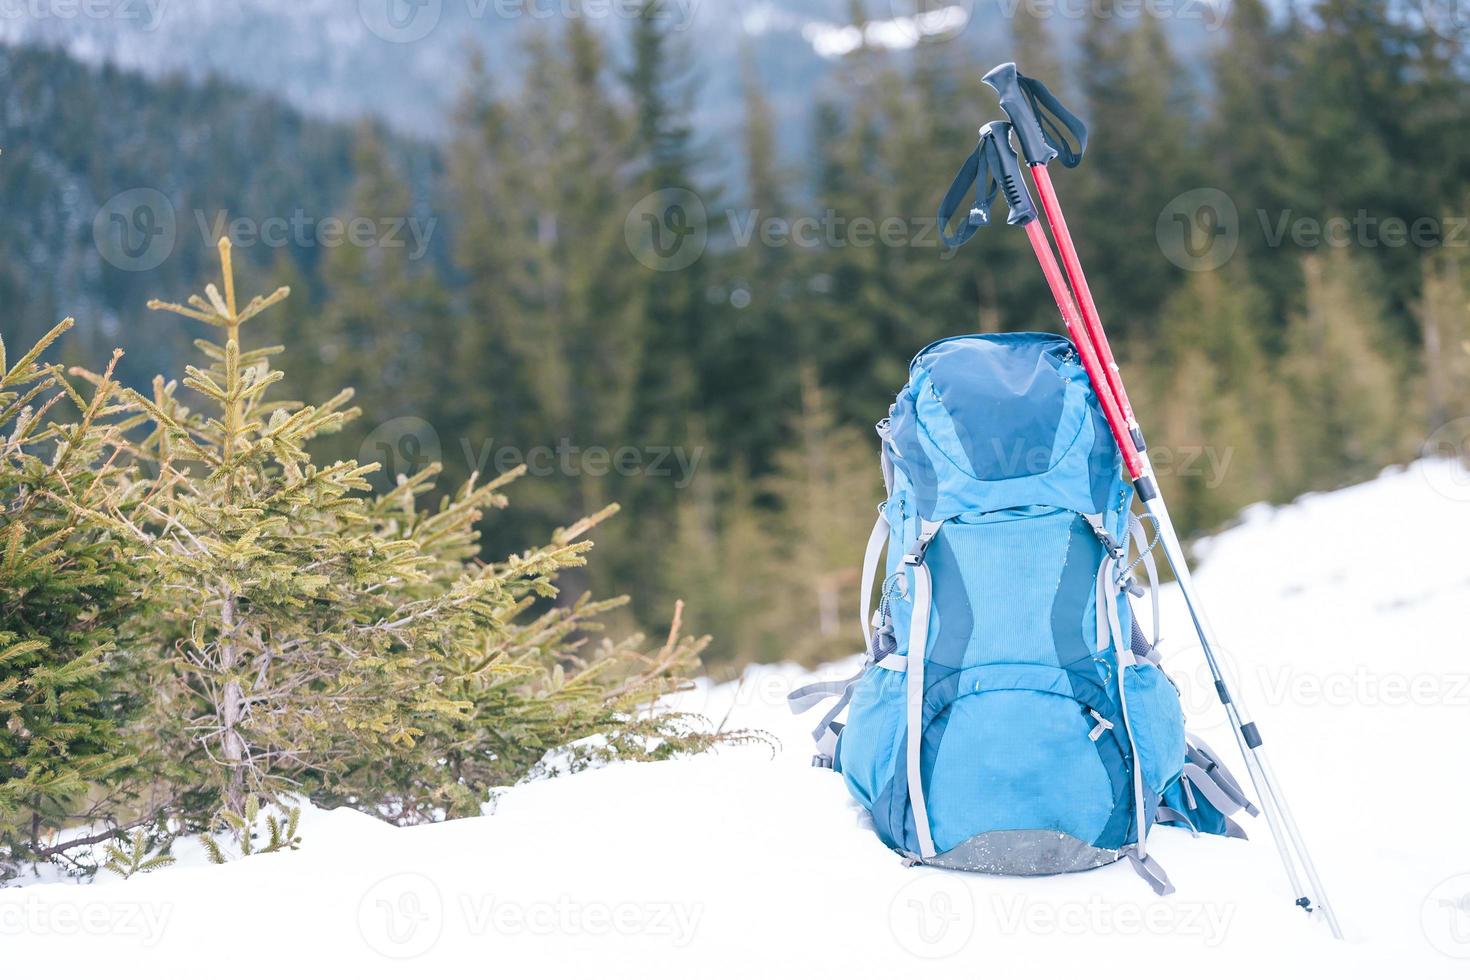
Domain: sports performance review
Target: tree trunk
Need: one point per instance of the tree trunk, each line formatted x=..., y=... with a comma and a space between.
x=231, y=709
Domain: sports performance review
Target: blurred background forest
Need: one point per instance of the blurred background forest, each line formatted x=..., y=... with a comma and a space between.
x=678, y=257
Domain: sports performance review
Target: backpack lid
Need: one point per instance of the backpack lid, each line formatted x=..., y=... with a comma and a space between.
x=994, y=421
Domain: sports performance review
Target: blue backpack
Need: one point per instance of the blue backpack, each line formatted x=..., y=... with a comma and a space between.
x=1011, y=716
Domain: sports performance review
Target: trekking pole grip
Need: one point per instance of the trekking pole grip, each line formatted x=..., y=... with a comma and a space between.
x=1006, y=81
x=1007, y=171
x=1023, y=100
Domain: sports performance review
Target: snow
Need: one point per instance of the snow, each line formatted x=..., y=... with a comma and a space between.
x=1344, y=615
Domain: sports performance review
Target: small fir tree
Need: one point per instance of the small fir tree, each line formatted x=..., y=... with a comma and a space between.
x=67, y=584
x=322, y=640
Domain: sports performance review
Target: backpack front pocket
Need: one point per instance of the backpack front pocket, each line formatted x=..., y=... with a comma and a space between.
x=1157, y=724
x=1011, y=749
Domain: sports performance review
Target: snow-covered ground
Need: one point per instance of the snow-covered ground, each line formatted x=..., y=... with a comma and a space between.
x=1345, y=614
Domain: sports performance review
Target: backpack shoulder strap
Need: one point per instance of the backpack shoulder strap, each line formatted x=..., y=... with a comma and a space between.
x=877, y=543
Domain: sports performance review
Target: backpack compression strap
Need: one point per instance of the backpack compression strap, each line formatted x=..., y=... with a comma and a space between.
x=914, y=689
x=1112, y=577
x=809, y=696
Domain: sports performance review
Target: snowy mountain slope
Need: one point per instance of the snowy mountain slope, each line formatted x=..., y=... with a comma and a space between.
x=1345, y=614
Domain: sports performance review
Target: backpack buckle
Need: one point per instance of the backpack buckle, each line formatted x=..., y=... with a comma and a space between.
x=928, y=529
x=1109, y=543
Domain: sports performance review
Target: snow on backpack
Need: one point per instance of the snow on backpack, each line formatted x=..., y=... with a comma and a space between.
x=1011, y=716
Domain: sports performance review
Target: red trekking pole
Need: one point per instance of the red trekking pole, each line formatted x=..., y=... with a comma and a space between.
x=1027, y=102
x=993, y=167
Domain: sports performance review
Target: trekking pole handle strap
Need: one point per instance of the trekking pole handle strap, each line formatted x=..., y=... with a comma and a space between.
x=1045, y=128
x=990, y=168
x=974, y=172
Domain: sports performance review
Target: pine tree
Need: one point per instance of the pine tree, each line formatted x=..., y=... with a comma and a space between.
x=782, y=577
x=68, y=583
x=384, y=314
x=1347, y=393
x=555, y=298
x=1217, y=413
x=1443, y=312
x=1139, y=160
x=321, y=633
x=1032, y=47
x=1253, y=141
x=827, y=484
x=681, y=376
